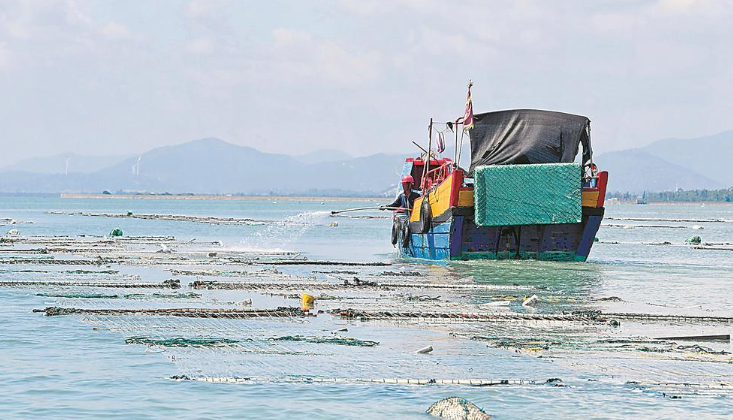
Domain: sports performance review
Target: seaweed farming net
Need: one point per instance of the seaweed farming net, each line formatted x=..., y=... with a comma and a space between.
x=223, y=315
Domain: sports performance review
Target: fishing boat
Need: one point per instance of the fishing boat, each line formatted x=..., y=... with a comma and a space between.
x=525, y=195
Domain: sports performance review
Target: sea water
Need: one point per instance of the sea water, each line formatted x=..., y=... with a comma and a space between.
x=59, y=367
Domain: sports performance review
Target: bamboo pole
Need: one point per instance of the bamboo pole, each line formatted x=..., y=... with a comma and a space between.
x=426, y=168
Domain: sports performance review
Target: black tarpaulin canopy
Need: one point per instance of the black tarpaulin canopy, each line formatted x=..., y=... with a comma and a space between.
x=525, y=136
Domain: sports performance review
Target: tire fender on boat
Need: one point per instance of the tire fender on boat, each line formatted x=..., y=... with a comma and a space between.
x=426, y=216
x=396, y=226
x=406, y=234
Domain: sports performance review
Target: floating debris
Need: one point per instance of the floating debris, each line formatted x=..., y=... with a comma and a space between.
x=694, y=240
x=693, y=348
x=521, y=343
x=696, y=348
x=609, y=299
x=359, y=283
x=530, y=301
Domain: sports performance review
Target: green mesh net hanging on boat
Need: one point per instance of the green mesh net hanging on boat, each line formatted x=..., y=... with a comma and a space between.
x=511, y=195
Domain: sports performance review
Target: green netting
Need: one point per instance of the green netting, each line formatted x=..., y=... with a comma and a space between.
x=181, y=341
x=343, y=341
x=542, y=194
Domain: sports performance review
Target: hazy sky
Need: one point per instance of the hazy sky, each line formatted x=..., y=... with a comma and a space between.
x=111, y=77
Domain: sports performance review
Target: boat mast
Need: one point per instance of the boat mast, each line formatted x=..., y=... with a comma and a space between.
x=426, y=168
x=455, y=148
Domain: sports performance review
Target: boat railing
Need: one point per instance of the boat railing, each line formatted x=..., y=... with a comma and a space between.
x=437, y=175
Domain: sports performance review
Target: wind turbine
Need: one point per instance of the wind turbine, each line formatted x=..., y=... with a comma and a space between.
x=66, y=170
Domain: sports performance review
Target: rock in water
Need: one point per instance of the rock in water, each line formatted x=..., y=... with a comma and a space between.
x=457, y=408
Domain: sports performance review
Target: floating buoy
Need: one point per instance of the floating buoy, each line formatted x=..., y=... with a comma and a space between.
x=307, y=301
x=425, y=350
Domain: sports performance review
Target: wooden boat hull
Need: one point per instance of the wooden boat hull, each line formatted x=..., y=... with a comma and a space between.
x=457, y=237
x=451, y=233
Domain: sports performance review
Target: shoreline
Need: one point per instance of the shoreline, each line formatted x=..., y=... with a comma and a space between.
x=218, y=197
x=670, y=203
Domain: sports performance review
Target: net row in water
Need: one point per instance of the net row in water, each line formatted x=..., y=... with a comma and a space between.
x=181, y=312
x=394, y=381
x=167, y=284
x=211, y=284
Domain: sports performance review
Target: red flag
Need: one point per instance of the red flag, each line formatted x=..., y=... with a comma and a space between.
x=441, y=142
x=468, y=115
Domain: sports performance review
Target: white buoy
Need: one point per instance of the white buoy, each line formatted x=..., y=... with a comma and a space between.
x=425, y=350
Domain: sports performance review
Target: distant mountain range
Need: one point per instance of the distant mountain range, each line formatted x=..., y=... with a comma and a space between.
x=666, y=165
x=214, y=166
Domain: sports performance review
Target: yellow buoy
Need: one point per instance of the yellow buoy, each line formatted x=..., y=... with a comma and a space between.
x=307, y=301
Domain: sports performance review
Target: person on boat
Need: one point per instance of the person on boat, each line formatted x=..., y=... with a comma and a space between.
x=407, y=197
